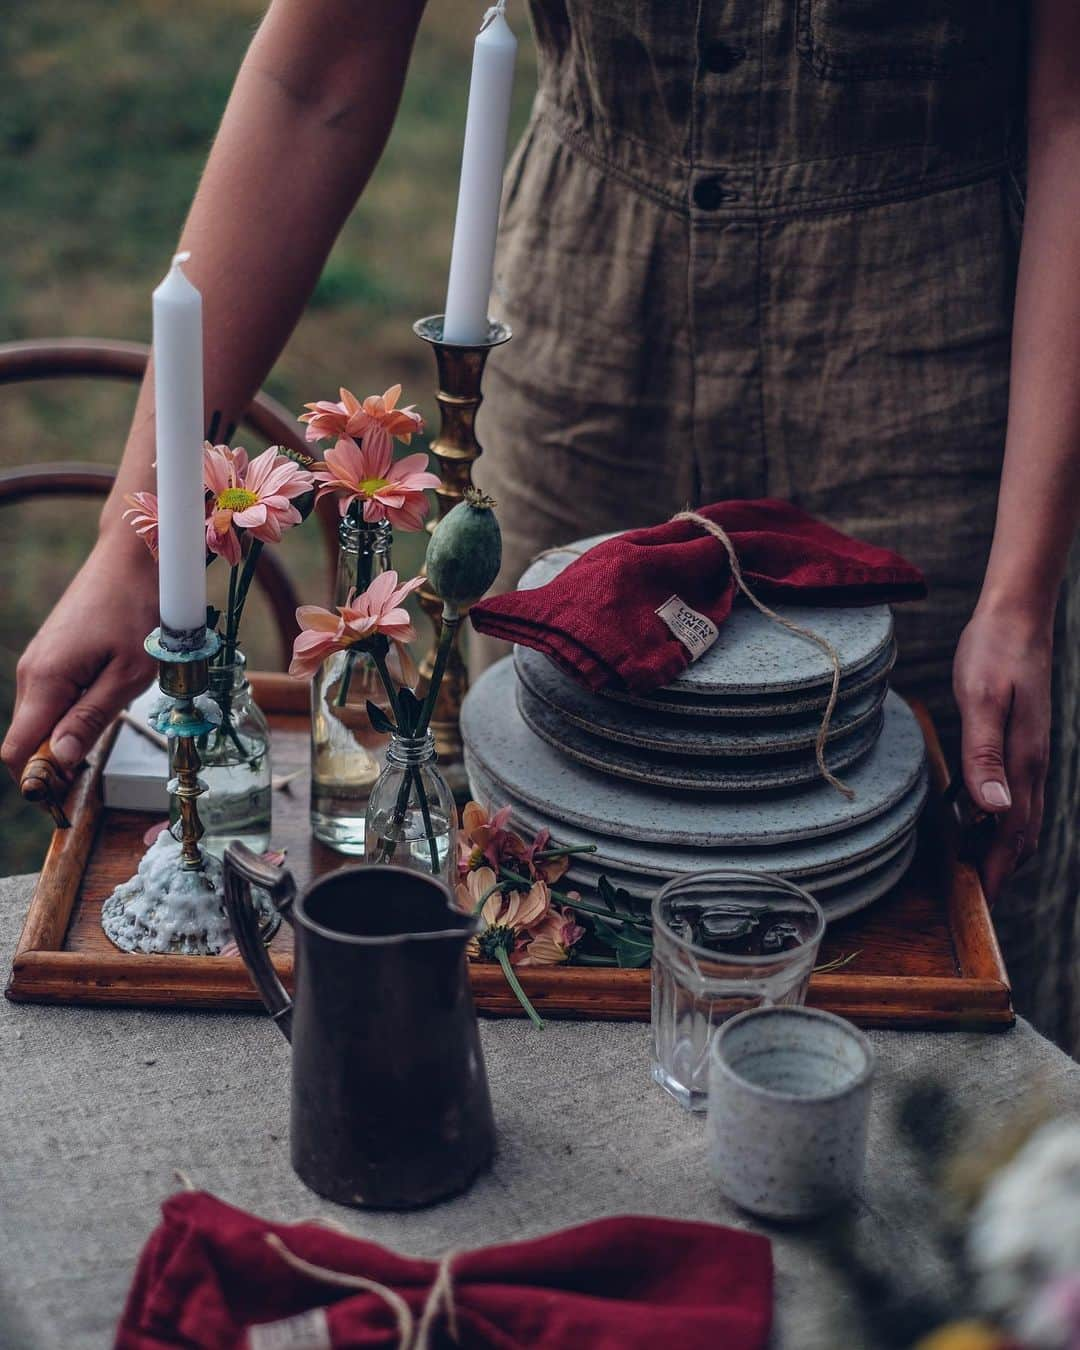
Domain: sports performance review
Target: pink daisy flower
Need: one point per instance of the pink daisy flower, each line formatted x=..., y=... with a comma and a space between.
x=143, y=514
x=376, y=611
x=389, y=490
x=255, y=496
x=375, y=421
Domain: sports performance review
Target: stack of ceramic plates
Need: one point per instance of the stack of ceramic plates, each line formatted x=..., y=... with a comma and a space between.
x=718, y=769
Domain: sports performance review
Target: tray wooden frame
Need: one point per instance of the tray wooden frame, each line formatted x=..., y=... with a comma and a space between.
x=899, y=979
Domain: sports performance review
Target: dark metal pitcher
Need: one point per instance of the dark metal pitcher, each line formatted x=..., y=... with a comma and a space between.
x=390, y=1104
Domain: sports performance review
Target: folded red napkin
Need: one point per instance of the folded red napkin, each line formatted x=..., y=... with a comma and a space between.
x=634, y=611
x=209, y=1279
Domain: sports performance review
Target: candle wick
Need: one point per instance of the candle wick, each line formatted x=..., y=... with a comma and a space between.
x=184, y=257
x=493, y=13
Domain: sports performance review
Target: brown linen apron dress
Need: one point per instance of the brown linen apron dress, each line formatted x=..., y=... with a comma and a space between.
x=768, y=247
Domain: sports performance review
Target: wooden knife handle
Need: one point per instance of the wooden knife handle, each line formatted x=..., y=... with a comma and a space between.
x=45, y=781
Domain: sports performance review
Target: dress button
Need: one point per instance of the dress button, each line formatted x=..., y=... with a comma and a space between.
x=710, y=193
x=718, y=58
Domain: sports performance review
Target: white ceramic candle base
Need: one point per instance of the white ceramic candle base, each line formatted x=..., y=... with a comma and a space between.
x=171, y=910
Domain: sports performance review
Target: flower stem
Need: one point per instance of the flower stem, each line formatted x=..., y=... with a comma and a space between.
x=565, y=850
x=413, y=776
x=515, y=984
x=571, y=903
x=450, y=621
x=342, y=695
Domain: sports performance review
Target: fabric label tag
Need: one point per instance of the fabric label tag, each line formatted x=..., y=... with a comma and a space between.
x=306, y=1331
x=695, y=631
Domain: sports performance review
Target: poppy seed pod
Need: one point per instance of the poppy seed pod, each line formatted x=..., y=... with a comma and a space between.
x=465, y=552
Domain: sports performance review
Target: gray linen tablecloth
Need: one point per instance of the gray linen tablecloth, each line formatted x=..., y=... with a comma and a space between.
x=101, y=1106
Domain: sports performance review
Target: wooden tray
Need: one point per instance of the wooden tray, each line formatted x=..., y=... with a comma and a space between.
x=927, y=954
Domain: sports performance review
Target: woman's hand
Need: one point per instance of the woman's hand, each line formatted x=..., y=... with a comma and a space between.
x=87, y=660
x=1001, y=679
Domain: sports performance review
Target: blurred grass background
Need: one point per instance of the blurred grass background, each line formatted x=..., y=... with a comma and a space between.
x=106, y=115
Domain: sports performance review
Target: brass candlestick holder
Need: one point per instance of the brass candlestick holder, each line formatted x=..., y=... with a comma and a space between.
x=461, y=371
x=175, y=903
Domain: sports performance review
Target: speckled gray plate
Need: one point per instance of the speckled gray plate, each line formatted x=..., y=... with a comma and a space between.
x=497, y=739
x=753, y=653
x=804, y=858
x=685, y=773
x=873, y=678
x=684, y=735
x=588, y=868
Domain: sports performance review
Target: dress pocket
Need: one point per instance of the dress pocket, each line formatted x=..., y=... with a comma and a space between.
x=894, y=39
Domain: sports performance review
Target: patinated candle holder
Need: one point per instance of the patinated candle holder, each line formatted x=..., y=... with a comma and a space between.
x=461, y=371
x=175, y=904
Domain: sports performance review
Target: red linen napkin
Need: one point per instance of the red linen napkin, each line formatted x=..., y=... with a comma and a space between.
x=208, y=1274
x=633, y=612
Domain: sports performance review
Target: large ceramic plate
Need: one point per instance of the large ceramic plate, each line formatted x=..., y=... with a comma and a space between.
x=684, y=773
x=753, y=653
x=804, y=860
x=497, y=739
x=873, y=678
x=647, y=730
x=587, y=869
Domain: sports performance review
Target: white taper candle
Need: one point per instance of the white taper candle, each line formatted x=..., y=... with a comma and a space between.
x=473, y=255
x=179, y=420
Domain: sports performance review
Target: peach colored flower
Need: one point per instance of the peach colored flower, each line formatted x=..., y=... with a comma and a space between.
x=548, y=869
x=507, y=919
x=374, y=421
x=484, y=837
x=255, y=496
x=390, y=490
x=376, y=611
x=469, y=894
x=143, y=513
x=552, y=939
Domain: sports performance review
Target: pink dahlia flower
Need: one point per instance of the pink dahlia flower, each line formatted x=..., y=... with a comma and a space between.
x=552, y=939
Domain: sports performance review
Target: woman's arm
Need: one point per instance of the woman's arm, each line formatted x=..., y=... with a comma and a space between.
x=307, y=120
x=1002, y=670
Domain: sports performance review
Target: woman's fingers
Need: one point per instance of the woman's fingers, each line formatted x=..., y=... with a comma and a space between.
x=42, y=699
x=985, y=712
x=77, y=730
x=1026, y=755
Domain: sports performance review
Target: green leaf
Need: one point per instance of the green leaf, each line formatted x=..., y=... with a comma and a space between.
x=632, y=946
x=618, y=900
x=411, y=708
x=379, y=719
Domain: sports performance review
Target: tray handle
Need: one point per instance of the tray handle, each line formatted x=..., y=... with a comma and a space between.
x=244, y=869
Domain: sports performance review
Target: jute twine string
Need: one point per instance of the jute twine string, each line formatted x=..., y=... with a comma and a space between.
x=412, y=1335
x=711, y=527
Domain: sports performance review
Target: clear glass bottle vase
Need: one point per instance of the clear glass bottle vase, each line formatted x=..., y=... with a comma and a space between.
x=411, y=815
x=235, y=759
x=346, y=750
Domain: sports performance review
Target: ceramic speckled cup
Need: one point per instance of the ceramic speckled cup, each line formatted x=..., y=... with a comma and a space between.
x=789, y=1102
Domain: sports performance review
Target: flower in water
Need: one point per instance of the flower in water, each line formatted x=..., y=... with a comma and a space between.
x=375, y=612
x=255, y=496
x=143, y=514
x=485, y=838
x=389, y=489
x=377, y=420
x=552, y=939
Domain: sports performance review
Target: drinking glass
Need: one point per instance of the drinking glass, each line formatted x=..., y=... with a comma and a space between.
x=723, y=941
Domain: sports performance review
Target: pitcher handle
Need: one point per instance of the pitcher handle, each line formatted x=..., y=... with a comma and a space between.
x=244, y=869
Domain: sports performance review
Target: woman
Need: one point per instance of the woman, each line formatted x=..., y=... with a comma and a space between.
x=768, y=246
